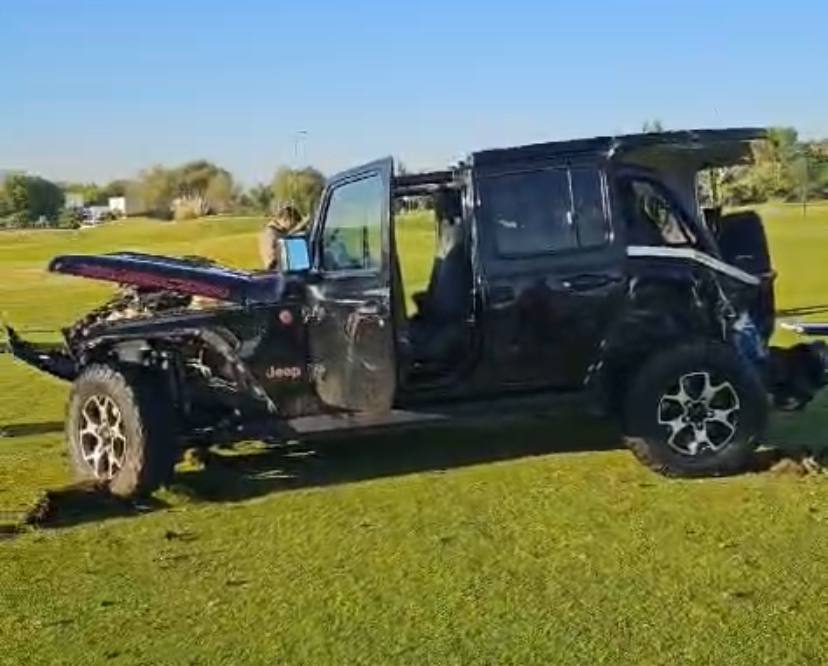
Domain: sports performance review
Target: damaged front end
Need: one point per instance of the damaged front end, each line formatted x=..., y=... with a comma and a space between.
x=61, y=359
x=194, y=322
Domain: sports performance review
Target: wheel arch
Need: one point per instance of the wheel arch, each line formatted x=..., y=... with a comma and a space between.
x=162, y=351
x=659, y=313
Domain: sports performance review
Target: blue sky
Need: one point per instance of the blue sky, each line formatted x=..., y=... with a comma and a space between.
x=97, y=90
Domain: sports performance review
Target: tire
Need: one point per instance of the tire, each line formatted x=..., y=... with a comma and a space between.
x=120, y=430
x=695, y=410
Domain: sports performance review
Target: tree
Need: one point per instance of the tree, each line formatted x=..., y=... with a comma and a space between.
x=204, y=186
x=782, y=168
x=115, y=188
x=774, y=160
x=158, y=190
x=652, y=126
x=194, y=189
x=16, y=193
x=26, y=199
x=261, y=197
x=298, y=187
x=220, y=192
x=91, y=193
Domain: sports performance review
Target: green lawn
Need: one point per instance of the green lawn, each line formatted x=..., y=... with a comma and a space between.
x=543, y=543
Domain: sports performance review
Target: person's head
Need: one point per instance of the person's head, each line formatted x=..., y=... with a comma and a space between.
x=287, y=218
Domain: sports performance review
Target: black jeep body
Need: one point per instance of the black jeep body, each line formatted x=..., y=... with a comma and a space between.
x=581, y=267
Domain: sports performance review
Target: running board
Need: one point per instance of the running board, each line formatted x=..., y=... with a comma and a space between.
x=477, y=412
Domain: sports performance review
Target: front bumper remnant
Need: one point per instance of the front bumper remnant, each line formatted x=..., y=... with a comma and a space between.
x=51, y=359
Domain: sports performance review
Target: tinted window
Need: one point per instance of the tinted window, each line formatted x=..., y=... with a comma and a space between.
x=588, y=206
x=653, y=219
x=352, y=232
x=530, y=212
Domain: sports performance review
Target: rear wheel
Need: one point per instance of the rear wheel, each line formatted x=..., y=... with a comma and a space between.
x=120, y=430
x=696, y=410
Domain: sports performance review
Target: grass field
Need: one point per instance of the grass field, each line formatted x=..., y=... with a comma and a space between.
x=542, y=544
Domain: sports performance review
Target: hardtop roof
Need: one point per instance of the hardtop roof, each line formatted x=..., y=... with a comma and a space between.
x=610, y=145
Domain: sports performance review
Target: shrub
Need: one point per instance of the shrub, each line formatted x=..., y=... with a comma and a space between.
x=70, y=218
x=185, y=210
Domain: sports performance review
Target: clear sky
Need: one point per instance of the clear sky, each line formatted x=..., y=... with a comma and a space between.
x=97, y=90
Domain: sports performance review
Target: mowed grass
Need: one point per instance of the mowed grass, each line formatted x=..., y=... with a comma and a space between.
x=542, y=543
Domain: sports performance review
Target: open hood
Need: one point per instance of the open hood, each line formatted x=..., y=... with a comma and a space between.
x=194, y=277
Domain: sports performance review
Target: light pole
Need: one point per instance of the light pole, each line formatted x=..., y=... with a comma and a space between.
x=298, y=137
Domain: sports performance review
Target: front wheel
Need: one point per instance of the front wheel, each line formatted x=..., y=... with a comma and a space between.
x=120, y=430
x=695, y=410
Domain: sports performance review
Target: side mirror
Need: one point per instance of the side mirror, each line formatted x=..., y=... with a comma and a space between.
x=295, y=254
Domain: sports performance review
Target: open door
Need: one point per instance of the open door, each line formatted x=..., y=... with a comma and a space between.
x=350, y=328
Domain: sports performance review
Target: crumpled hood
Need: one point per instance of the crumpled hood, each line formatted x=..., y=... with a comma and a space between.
x=185, y=276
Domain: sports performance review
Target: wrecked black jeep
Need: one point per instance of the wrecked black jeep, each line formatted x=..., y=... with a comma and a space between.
x=581, y=267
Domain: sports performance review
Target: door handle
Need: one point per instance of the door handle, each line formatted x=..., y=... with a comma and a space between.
x=367, y=312
x=589, y=281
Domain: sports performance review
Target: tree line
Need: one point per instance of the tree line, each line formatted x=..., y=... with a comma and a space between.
x=191, y=190
x=784, y=168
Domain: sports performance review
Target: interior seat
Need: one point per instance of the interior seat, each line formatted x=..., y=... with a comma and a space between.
x=438, y=328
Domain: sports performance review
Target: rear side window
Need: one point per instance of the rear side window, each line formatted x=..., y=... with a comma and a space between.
x=653, y=218
x=545, y=211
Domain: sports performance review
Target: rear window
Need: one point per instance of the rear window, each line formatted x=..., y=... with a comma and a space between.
x=545, y=211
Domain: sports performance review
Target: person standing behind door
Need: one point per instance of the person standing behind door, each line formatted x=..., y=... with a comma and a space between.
x=286, y=221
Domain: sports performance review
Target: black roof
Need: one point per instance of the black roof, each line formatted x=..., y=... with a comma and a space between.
x=608, y=145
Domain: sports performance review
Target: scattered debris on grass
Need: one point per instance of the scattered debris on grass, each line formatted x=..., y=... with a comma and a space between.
x=799, y=463
x=172, y=535
x=798, y=466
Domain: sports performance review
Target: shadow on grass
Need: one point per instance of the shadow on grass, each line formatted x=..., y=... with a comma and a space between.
x=243, y=473
x=345, y=460
x=29, y=429
x=81, y=503
x=248, y=471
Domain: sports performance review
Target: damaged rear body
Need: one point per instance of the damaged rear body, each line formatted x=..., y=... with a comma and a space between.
x=703, y=275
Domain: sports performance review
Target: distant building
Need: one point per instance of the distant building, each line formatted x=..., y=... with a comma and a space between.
x=129, y=204
x=73, y=200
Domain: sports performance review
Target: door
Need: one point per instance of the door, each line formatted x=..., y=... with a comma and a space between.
x=350, y=331
x=553, y=272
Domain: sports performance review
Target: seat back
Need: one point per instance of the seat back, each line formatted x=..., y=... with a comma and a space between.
x=448, y=290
